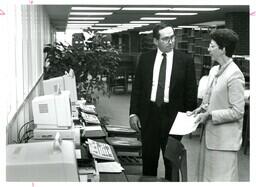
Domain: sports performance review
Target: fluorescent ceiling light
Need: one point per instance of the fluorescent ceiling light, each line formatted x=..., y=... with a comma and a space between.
x=145, y=21
x=135, y=24
x=79, y=25
x=157, y=18
x=176, y=28
x=101, y=28
x=146, y=32
x=144, y=8
x=81, y=22
x=202, y=29
x=108, y=24
x=95, y=8
x=86, y=18
x=194, y=9
x=176, y=13
x=166, y=8
x=91, y=13
x=132, y=26
x=188, y=26
x=211, y=23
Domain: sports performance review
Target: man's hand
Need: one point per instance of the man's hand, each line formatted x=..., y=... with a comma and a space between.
x=135, y=123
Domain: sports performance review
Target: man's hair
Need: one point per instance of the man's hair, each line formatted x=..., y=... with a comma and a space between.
x=225, y=38
x=158, y=27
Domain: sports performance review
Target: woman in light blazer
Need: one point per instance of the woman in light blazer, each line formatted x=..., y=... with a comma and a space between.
x=221, y=112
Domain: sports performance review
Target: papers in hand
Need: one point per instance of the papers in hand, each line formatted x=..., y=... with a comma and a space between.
x=183, y=124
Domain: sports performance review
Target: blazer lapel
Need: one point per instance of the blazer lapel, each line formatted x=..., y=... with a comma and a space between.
x=175, y=68
x=149, y=69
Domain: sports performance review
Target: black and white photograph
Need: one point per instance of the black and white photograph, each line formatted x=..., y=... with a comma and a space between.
x=125, y=91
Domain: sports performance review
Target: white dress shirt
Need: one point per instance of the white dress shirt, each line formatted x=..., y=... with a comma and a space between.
x=158, y=61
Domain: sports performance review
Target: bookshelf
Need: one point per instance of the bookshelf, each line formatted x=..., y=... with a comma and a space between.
x=195, y=42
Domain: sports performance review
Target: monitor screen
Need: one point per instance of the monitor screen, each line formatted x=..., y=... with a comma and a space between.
x=65, y=82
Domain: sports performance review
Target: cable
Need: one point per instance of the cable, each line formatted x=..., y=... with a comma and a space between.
x=23, y=126
x=26, y=137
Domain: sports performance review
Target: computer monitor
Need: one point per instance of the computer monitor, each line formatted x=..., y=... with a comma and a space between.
x=41, y=161
x=52, y=111
x=65, y=82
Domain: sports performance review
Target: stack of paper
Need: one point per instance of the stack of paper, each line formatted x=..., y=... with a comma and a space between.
x=88, y=109
x=110, y=167
x=93, y=131
x=90, y=118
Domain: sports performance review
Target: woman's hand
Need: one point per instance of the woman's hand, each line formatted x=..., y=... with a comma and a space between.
x=195, y=112
x=135, y=123
x=203, y=117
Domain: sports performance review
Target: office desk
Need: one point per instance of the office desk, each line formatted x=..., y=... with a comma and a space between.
x=104, y=177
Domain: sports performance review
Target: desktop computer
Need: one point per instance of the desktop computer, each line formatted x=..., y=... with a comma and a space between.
x=52, y=114
x=52, y=111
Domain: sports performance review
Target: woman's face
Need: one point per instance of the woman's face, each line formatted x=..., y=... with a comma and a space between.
x=215, y=51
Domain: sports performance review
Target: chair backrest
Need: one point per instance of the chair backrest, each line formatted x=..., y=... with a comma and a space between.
x=176, y=153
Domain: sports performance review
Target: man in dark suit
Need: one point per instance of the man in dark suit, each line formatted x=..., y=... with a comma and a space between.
x=164, y=84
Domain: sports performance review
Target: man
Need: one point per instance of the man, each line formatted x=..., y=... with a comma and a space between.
x=164, y=84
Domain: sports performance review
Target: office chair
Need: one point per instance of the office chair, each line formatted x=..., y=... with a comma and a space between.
x=246, y=124
x=176, y=153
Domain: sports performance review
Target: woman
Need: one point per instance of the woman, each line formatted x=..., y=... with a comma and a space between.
x=221, y=112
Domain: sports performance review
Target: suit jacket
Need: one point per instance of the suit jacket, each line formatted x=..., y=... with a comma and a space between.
x=182, y=91
x=224, y=131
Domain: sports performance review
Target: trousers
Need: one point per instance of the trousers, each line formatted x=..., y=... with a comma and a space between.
x=154, y=136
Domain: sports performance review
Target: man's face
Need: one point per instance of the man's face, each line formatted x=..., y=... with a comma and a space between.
x=166, y=40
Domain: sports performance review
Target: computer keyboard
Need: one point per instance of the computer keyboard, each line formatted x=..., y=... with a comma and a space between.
x=100, y=150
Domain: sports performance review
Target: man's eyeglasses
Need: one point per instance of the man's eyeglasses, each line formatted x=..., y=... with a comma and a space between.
x=167, y=39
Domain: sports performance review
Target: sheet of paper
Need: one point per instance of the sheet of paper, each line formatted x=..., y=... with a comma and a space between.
x=183, y=124
x=93, y=128
x=110, y=167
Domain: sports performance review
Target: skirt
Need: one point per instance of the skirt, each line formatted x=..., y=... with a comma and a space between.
x=217, y=165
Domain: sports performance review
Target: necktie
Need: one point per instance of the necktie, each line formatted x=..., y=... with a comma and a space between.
x=161, y=82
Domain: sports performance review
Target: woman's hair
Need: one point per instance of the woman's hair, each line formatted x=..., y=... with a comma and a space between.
x=225, y=38
x=159, y=27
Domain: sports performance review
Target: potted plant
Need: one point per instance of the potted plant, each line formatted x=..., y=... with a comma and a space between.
x=93, y=63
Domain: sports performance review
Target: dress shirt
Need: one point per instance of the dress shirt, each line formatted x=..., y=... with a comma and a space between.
x=158, y=61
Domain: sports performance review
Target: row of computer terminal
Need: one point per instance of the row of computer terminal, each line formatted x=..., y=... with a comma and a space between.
x=53, y=114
